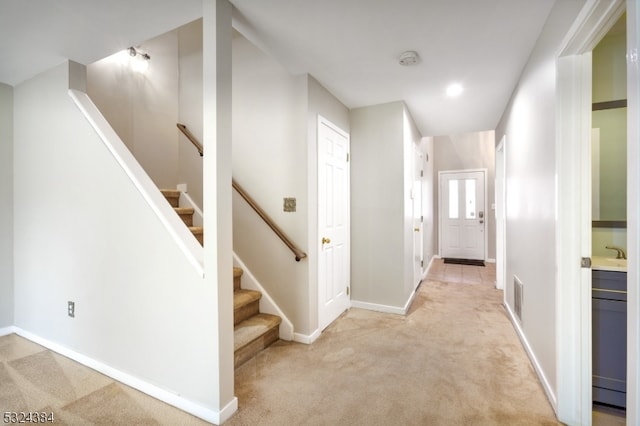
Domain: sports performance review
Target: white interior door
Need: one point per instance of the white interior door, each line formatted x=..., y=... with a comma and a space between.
x=416, y=196
x=462, y=215
x=333, y=222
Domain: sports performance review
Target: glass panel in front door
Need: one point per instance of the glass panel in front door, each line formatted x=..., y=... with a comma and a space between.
x=470, y=198
x=453, y=199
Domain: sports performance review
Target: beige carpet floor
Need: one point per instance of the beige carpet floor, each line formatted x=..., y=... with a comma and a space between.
x=453, y=360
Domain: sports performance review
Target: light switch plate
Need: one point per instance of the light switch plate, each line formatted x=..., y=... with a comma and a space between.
x=289, y=204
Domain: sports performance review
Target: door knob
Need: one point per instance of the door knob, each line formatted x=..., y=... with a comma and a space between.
x=416, y=229
x=325, y=240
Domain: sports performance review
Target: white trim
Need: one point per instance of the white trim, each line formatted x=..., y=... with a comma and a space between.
x=322, y=121
x=548, y=390
x=173, y=224
x=633, y=214
x=594, y=20
x=191, y=407
x=573, y=289
x=385, y=308
x=5, y=331
x=186, y=201
x=267, y=304
x=490, y=261
x=307, y=339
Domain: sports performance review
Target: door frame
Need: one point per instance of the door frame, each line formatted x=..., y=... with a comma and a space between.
x=573, y=197
x=322, y=121
x=501, y=214
x=419, y=162
x=440, y=206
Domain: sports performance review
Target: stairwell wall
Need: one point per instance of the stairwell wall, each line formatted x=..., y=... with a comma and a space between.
x=143, y=107
x=83, y=233
x=190, y=107
x=275, y=156
x=6, y=206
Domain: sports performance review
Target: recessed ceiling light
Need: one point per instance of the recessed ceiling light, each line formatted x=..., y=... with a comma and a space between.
x=454, y=90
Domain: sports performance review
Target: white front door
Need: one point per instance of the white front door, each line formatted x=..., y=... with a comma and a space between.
x=416, y=196
x=333, y=223
x=462, y=215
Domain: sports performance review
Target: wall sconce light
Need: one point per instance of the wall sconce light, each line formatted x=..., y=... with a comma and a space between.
x=140, y=61
x=133, y=52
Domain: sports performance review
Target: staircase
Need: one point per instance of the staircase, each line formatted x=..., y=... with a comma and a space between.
x=253, y=331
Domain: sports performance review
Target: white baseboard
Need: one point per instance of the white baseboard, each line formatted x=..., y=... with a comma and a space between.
x=306, y=339
x=381, y=308
x=490, y=261
x=534, y=361
x=191, y=407
x=5, y=331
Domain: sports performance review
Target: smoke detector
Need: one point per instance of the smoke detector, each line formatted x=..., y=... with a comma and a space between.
x=409, y=58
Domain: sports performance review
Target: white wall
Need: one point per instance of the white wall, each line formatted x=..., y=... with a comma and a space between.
x=6, y=206
x=529, y=124
x=270, y=163
x=83, y=233
x=381, y=274
x=468, y=151
x=143, y=107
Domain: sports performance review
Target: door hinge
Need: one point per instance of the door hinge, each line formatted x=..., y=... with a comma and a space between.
x=347, y=157
x=422, y=263
x=585, y=262
x=421, y=173
x=421, y=218
x=347, y=291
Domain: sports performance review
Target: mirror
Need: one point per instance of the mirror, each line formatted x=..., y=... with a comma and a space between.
x=609, y=134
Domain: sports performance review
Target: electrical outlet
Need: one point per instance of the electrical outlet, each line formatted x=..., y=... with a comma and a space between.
x=71, y=309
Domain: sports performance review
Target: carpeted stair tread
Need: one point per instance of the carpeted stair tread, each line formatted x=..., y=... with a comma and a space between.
x=246, y=303
x=172, y=196
x=186, y=214
x=184, y=210
x=253, y=328
x=244, y=297
x=237, y=278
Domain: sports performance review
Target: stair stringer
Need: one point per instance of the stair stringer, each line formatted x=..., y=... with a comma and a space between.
x=187, y=201
x=267, y=304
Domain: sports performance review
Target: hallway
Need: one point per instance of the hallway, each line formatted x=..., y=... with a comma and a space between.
x=453, y=360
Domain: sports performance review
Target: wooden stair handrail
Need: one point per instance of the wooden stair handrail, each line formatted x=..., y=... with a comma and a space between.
x=190, y=136
x=275, y=228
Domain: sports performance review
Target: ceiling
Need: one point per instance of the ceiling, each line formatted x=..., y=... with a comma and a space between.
x=350, y=46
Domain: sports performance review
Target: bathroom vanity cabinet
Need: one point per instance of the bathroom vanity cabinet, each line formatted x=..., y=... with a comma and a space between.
x=609, y=333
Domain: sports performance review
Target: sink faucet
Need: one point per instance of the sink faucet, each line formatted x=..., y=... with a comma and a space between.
x=621, y=253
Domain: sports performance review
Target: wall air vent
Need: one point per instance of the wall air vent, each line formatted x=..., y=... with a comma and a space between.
x=518, y=294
